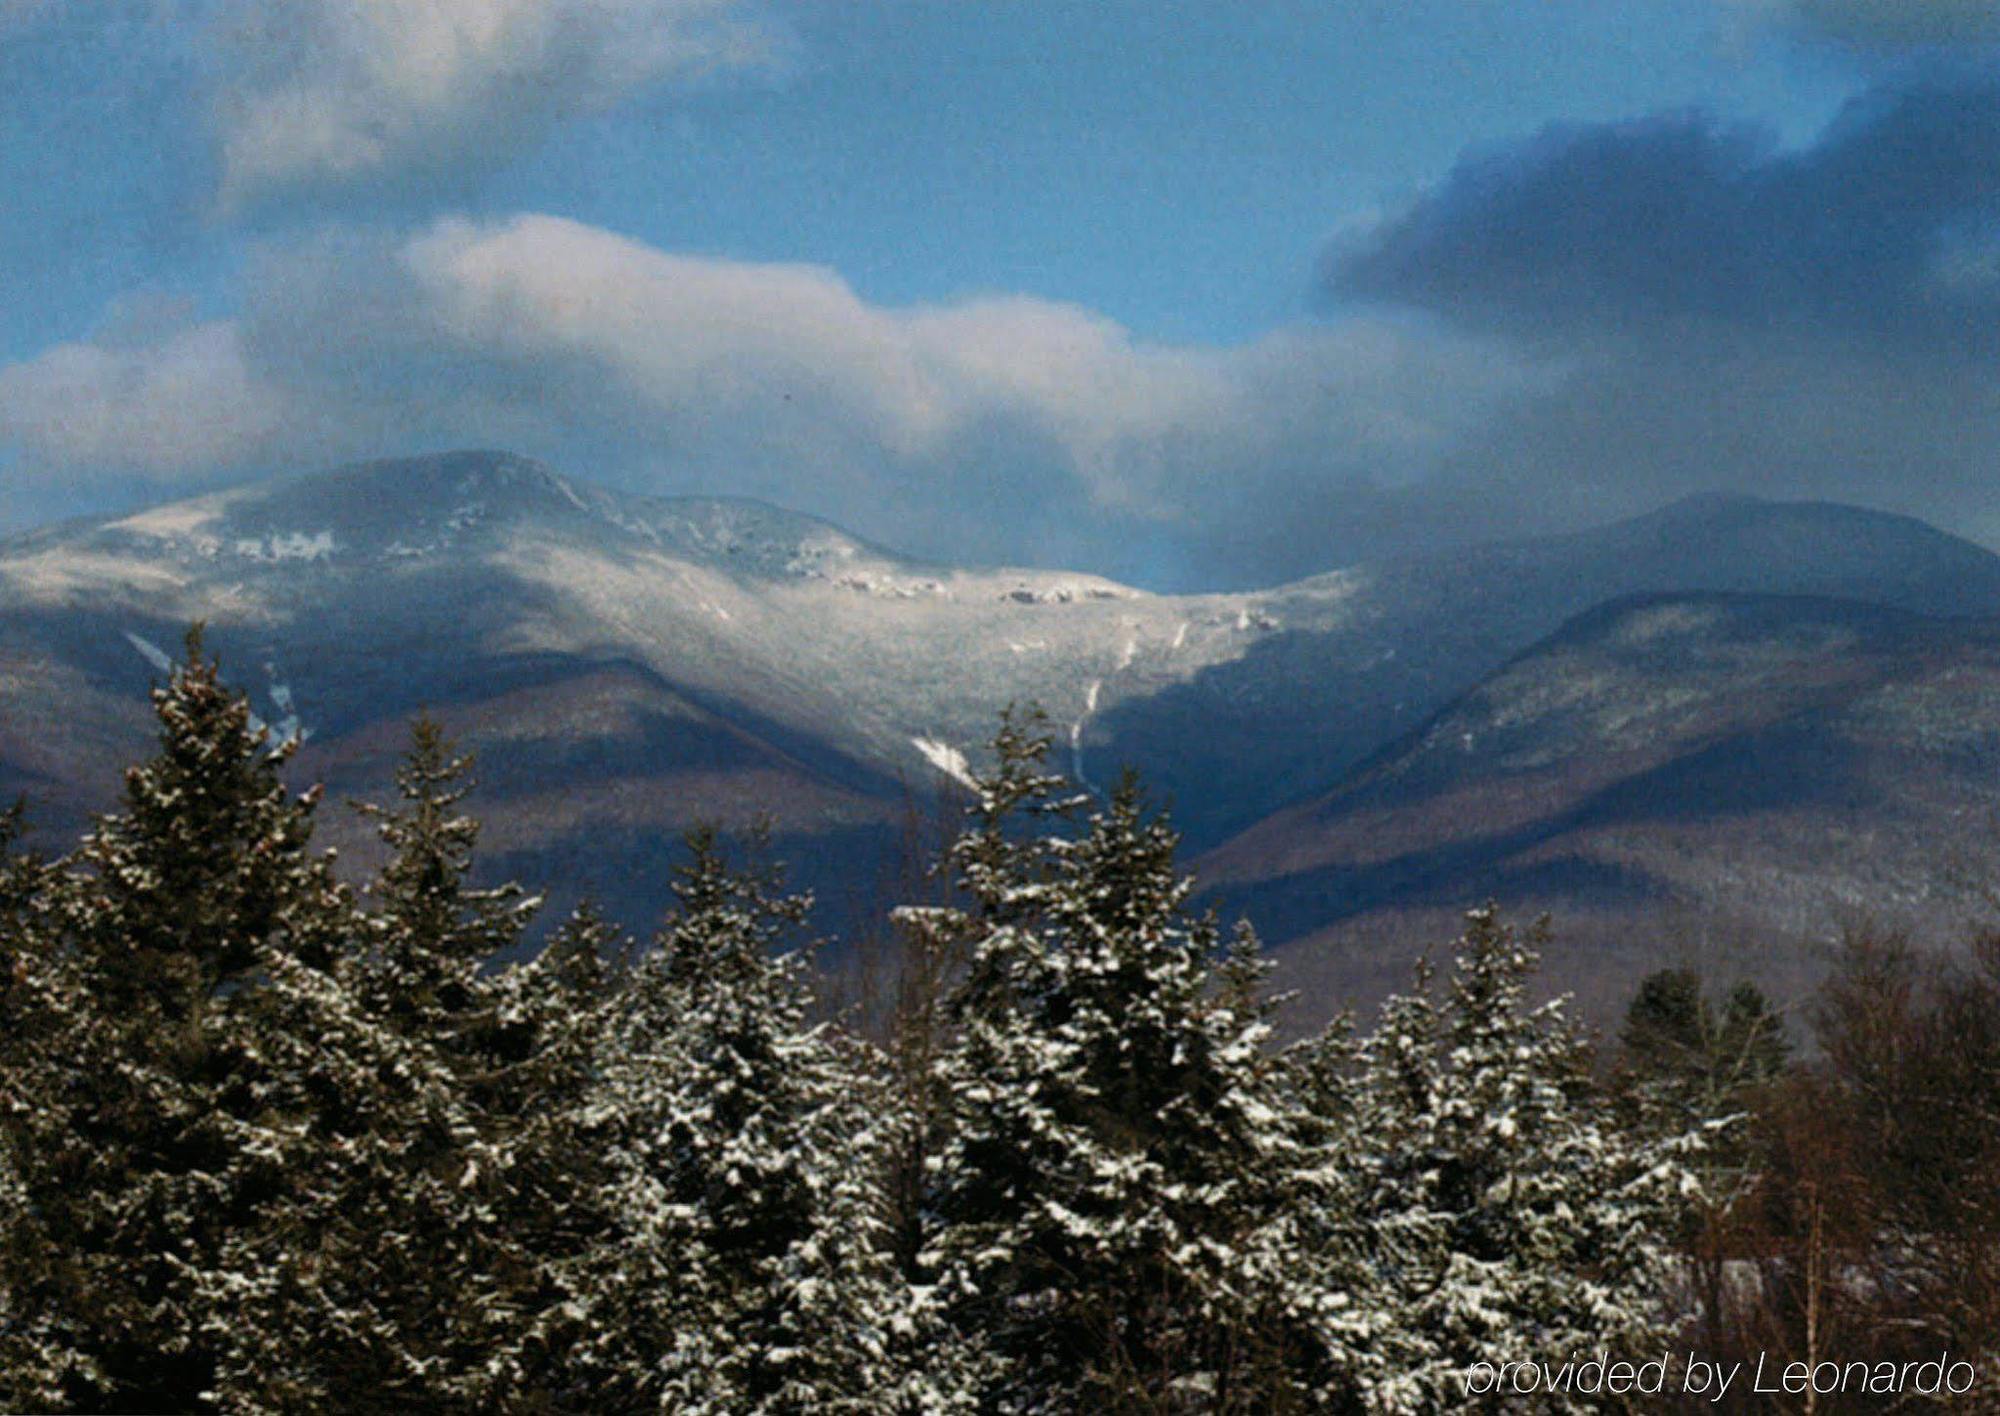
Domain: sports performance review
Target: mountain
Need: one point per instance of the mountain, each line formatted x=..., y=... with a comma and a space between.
x=1311, y=698
x=1730, y=778
x=624, y=664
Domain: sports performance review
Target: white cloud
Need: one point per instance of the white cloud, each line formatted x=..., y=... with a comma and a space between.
x=186, y=399
x=993, y=426
x=717, y=349
x=331, y=92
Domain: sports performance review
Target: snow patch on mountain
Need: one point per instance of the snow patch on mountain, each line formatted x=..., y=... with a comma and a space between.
x=177, y=521
x=562, y=485
x=288, y=546
x=885, y=585
x=63, y=572
x=946, y=758
x=1068, y=592
x=1076, y=728
x=150, y=652
x=290, y=727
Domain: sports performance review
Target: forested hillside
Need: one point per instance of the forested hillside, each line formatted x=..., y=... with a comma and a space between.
x=272, y=1142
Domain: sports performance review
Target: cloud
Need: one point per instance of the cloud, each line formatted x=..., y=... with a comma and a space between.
x=1004, y=427
x=1887, y=24
x=340, y=93
x=1582, y=325
x=186, y=398
x=1819, y=322
x=1879, y=229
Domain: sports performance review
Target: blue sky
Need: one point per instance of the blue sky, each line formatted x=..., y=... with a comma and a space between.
x=1196, y=292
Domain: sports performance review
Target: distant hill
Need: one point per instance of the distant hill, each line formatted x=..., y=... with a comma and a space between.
x=1729, y=777
x=1308, y=701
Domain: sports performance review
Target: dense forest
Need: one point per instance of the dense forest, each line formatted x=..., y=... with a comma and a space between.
x=276, y=1139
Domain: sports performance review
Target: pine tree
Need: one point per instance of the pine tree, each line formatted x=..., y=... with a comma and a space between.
x=146, y=1125
x=1106, y=1201
x=420, y=1222
x=748, y=1273
x=1513, y=1215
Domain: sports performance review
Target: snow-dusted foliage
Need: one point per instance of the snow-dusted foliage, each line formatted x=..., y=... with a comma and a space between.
x=1511, y=1216
x=437, y=1209
x=430, y=933
x=1109, y=1199
x=147, y=1125
x=746, y=1271
x=41, y=1358
x=270, y=1144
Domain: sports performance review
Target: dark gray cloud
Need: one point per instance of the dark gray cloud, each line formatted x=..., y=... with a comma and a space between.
x=1890, y=25
x=1886, y=227
x=1815, y=322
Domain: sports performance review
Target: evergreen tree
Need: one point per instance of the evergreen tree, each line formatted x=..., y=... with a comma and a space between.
x=332, y=1295
x=553, y=1196
x=1680, y=1052
x=422, y=1218
x=1514, y=1216
x=411, y=1267
x=747, y=1273
x=42, y=1356
x=264, y=1149
x=432, y=934
x=1105, y=1200
x=145, y=1123
x=1686, y=1065
x=1333, y=1254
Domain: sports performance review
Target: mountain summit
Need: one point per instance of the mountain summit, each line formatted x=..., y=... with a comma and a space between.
x=467, y=504
x=627, y=664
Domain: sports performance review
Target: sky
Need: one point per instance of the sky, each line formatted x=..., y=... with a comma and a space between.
x=1194, y=293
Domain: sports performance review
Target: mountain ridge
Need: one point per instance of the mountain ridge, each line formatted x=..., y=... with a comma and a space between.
x=666, y=648
x=1762, y=769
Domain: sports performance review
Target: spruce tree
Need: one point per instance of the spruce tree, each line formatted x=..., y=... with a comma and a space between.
x=410, y=1267
x=147, y=1124
x=1514, y=1216
x=1679, y=1051
x=432, y=933
x=43, y=1356
x=748, y=1273
x=411, y=1220
x=553, y=1193
x=330, y=1296
x=1106, y=1203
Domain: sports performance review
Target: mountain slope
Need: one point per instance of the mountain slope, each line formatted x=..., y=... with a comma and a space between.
x=1762, y=767
x=1418, y=631
x=624, y=664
